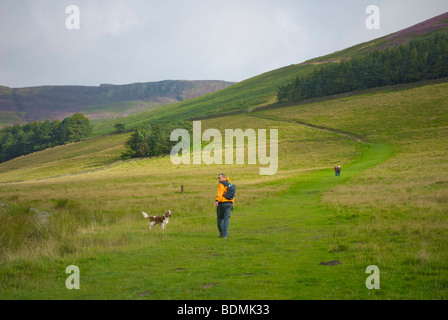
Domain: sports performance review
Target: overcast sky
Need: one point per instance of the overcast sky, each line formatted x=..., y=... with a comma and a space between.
x=127, y=41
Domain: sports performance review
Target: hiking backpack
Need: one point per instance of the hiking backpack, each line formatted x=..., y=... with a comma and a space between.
x=231, y=189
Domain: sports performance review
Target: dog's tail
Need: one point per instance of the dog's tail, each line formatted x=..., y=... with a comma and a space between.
x=145, y=215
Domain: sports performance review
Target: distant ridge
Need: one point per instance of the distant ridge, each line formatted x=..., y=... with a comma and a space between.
x=20, y=105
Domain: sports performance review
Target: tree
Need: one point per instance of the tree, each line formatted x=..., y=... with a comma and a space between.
x=79, y=127
x=119, y=127
x=413, y=69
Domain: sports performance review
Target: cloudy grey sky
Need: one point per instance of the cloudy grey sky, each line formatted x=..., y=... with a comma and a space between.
x=127, y=41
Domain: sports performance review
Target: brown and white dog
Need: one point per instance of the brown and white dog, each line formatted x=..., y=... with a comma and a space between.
x=162, y=220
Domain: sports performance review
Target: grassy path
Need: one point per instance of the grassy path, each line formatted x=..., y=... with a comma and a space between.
x=273, y=251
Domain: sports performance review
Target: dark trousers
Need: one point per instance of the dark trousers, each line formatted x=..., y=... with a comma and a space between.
x=223, y=217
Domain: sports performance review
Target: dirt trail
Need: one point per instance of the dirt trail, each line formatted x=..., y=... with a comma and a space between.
x=349, y=135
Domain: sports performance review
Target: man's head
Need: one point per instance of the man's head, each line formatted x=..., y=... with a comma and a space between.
x=221, y=177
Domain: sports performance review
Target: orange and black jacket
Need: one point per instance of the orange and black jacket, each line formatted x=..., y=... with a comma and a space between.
x=222, y=189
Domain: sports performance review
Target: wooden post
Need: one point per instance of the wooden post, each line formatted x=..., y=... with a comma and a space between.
x=182, y=188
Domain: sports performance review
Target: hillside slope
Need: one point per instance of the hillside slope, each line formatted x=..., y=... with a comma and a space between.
x=262, y=90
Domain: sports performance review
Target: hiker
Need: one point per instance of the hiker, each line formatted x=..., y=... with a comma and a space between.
x=337, y=170
x=223, y=205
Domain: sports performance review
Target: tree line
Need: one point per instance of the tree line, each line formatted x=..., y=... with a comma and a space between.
x=20, y=140
x=420, y=59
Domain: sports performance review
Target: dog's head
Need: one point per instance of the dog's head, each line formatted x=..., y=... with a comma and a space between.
x=168, y=214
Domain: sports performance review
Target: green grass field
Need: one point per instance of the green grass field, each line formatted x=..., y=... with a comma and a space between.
x=388, y=208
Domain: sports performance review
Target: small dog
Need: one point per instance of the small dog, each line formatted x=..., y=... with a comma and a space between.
x=162, y=220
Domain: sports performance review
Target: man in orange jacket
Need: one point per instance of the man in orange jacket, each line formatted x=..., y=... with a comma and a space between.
x=223, y=207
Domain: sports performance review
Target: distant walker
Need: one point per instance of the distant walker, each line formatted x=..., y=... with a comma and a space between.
x=337, y=170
